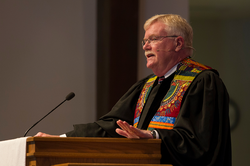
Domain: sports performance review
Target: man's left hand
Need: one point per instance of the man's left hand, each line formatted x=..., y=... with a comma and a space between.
x=131, y=132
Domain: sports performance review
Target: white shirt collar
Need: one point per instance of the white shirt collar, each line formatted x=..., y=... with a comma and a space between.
x=171, y=71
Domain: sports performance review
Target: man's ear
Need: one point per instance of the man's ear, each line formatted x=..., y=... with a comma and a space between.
x=179, y=43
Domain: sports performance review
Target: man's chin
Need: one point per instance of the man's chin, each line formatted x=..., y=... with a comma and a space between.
x=149, y=65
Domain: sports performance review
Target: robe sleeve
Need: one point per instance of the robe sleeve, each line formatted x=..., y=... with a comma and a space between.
x=201, y=133
x=106, y=125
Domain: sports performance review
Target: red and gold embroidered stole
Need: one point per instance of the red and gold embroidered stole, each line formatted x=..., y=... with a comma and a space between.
x=170, y=106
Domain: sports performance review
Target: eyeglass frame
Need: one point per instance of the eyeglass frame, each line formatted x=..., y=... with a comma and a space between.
x=157, y=38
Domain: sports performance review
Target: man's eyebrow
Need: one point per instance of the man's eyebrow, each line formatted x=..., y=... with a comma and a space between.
x=153, y=35
x=150, y=36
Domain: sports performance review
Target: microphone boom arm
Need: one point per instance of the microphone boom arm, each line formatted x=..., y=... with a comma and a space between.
x=68, y=97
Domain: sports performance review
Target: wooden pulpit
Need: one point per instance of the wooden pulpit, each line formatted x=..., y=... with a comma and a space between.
x=45, y=151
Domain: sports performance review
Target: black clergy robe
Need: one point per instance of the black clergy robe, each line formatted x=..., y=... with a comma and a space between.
x=201, y=133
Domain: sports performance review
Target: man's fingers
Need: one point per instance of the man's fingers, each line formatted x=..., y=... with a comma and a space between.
x=125, y=130
x=121, y=132
x=40, y=134
x=124, y=125
x=130, y=131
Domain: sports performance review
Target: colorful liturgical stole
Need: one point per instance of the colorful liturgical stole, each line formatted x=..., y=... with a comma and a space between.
x=170, y=105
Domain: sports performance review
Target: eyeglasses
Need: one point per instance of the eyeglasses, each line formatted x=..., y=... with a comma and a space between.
x=154, y=39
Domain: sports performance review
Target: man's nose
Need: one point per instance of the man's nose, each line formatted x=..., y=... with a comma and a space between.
x=146, y=46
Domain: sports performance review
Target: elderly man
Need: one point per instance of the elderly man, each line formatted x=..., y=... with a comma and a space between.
x=184, y=103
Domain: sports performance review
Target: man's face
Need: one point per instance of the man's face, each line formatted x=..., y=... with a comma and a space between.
x=159, y=54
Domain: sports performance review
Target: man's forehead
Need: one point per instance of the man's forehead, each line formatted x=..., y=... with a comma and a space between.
x=156, y=29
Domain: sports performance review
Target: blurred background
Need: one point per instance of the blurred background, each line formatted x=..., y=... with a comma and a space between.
x=93, y=48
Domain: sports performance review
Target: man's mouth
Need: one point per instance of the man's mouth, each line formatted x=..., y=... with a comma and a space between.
x=148, y=55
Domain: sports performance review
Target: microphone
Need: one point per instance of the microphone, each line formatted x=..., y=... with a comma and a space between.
x=68, y=97
x=164, y=50
x=158, y=50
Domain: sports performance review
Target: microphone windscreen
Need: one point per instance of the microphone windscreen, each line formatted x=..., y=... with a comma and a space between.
x=70, y=96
